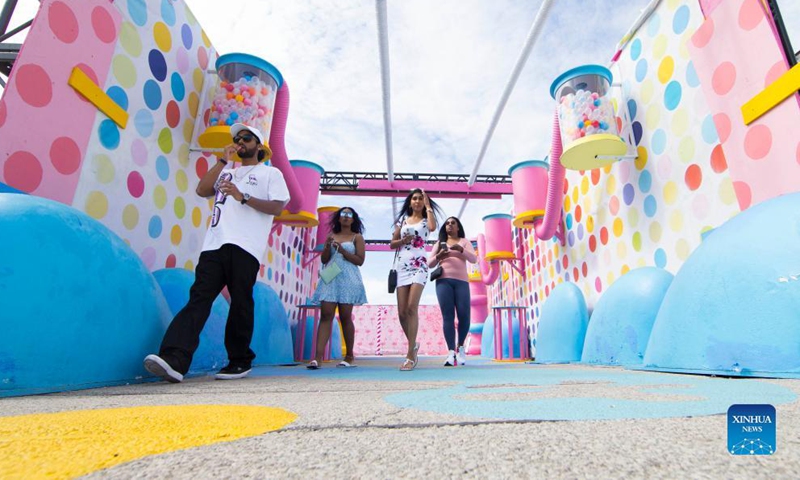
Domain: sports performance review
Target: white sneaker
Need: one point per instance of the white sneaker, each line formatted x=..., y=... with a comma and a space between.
x=461, y=356
x=160, y=368
x=451, y=359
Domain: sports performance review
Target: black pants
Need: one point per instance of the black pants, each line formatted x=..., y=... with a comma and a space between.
x=229, y=265
x=454, y=297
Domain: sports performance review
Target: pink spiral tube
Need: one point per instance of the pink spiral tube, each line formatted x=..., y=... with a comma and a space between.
x=546, y=228
x=276, y=142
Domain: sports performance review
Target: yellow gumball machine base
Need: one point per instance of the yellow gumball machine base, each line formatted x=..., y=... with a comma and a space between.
x=300, y=219
x=215, y=139
x=582, y=153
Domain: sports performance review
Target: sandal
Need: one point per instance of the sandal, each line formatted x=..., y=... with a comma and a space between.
x=408, y=365
x=416, y=354
x=313, y=365
x=346, y=364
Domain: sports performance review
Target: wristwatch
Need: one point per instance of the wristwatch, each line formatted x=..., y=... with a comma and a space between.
x=245, y=198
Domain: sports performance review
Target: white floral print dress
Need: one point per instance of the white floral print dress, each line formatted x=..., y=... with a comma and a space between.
x=412, y=262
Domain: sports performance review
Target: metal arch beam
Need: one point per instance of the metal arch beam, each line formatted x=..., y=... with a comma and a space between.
x=383, y=42
x=536, y=28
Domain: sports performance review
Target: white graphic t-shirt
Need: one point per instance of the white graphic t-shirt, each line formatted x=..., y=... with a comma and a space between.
x=242, y=225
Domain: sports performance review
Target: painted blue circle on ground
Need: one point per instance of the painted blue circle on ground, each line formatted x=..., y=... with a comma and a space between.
x=485, y=389
x=152, y=94
x=119, y=96
x=158, y=65
x=162, y=168
x=109, y=134
x=650, y=206
x=143, y=120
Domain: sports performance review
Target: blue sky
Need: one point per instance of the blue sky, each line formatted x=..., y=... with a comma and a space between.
x=450, y=61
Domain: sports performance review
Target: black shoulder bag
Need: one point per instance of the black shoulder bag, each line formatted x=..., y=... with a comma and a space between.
x=393, y=273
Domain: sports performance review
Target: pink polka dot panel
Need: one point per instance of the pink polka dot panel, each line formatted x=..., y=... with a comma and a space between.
x=38, y=94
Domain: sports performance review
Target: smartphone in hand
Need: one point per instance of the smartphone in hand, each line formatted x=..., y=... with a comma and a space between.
x=443, y=246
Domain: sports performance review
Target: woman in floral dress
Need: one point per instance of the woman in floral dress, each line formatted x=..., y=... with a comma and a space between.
x=413, y=226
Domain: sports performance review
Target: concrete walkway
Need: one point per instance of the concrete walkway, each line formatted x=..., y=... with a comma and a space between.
x=482, y=420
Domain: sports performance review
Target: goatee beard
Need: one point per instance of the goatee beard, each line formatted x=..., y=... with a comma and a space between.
x=249, y=153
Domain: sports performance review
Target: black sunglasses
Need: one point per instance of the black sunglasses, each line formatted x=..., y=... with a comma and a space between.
x=247, y=138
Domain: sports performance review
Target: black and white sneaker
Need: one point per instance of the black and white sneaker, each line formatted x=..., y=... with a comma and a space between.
x=450, y=361
x=160, y=368
x=232, y=372
x=461, y=356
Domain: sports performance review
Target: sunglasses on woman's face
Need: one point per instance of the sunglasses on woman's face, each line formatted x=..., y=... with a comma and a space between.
x=246, y=138
x=346, y=214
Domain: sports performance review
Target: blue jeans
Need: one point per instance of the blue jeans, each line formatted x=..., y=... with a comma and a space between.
x=453, y=296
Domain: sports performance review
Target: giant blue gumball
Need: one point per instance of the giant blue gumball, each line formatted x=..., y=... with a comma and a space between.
x=623, y=317
x=78, y=308
x=562, y=325
x=733, y=307
x=211, y=354
x=272, y=337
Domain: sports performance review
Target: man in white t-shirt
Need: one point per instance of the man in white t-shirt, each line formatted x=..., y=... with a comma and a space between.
x=247, y=198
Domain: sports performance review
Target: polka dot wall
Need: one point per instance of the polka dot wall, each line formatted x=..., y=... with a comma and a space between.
x=140, y=180
x=151, y=57
x=650, y=211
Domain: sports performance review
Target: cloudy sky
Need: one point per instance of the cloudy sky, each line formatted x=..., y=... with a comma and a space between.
x=450, y=61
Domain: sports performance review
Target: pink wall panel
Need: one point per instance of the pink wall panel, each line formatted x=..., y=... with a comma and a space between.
x=378, y=331
x=45, y=125
x=736, y=56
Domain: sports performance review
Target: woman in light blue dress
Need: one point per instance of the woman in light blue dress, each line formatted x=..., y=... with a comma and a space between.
x=345, y=249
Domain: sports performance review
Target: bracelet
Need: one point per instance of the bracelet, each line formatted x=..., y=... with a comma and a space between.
x=224, y=162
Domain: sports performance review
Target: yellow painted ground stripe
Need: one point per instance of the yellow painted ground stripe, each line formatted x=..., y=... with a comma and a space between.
x=74, y=443
x=86, y=87
x=771, y=96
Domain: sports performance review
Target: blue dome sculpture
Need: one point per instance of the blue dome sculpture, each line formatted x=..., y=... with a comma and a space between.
x=623, y=317
x=78, y=308
x=733, y=307
x=562, y=325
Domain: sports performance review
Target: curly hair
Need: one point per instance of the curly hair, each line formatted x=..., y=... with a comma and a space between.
x=336, y=224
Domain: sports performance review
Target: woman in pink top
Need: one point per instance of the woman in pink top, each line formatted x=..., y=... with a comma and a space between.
x=452, y=289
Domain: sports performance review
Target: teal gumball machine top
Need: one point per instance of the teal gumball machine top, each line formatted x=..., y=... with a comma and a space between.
x=233, y=66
